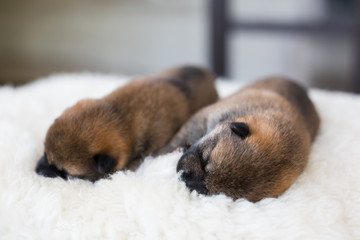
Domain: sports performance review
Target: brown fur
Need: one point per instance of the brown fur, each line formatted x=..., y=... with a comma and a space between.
x=128, y=124
x=282, y=122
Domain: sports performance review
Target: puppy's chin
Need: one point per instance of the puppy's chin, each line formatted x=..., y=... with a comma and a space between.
x=192, y=172
x=194, y=184
x=47, y=170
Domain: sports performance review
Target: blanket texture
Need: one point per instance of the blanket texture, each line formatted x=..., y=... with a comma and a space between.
x=324, y=203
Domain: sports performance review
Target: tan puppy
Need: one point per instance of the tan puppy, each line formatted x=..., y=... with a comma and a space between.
x=96, y=137
x=252, y=145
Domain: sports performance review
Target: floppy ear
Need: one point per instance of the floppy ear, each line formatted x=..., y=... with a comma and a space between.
x=45, y=169
x=240, y=128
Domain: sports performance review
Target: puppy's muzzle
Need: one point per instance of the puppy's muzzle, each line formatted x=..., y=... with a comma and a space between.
x=192, y=172
x=47, y=170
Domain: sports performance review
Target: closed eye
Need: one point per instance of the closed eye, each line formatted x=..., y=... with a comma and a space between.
x=187, y=146
x=104, y=163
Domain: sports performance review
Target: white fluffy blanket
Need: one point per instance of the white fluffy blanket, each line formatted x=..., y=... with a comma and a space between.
x=324, y=203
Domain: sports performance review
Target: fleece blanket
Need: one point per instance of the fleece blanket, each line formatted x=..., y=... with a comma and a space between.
x=150, y=203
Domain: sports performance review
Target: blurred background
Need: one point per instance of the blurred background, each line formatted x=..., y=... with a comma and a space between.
x=316, y=42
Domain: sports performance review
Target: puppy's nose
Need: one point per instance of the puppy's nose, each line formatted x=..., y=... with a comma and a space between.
x=45, y=169
x=192, y=172
x=191, y=160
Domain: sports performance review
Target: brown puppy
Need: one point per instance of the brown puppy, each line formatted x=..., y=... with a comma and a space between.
x=96, y=137
x=252, y=145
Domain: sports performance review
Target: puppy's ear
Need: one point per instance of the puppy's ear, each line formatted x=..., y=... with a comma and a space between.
x=240, y=128
x=45, y=169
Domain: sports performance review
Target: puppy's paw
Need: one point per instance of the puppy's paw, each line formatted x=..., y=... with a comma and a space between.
x=47, y=170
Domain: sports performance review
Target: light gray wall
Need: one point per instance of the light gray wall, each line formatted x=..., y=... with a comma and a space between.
x=145, y=36
x=128, y=36
x=307, y=58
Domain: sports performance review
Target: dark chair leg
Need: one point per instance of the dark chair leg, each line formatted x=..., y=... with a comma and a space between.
x=356, y=66
x=218, y=32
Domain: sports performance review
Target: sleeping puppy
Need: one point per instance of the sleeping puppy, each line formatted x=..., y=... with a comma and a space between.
x=96, y=137
x=253, y=144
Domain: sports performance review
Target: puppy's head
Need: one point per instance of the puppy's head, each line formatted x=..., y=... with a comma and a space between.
x=87, y=141
x=246, y=158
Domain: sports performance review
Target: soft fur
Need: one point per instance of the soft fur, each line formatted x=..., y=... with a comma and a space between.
x=252, y=144
x=97, y=137
x=151, y=203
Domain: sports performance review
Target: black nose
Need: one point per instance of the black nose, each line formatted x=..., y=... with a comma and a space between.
x=192, y=172
x=104, y=163
x=45, y=169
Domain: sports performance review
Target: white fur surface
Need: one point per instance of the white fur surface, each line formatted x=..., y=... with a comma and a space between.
x=324, y=203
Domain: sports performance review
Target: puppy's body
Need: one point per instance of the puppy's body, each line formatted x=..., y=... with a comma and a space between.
x=252, y=145
x=97, y=137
